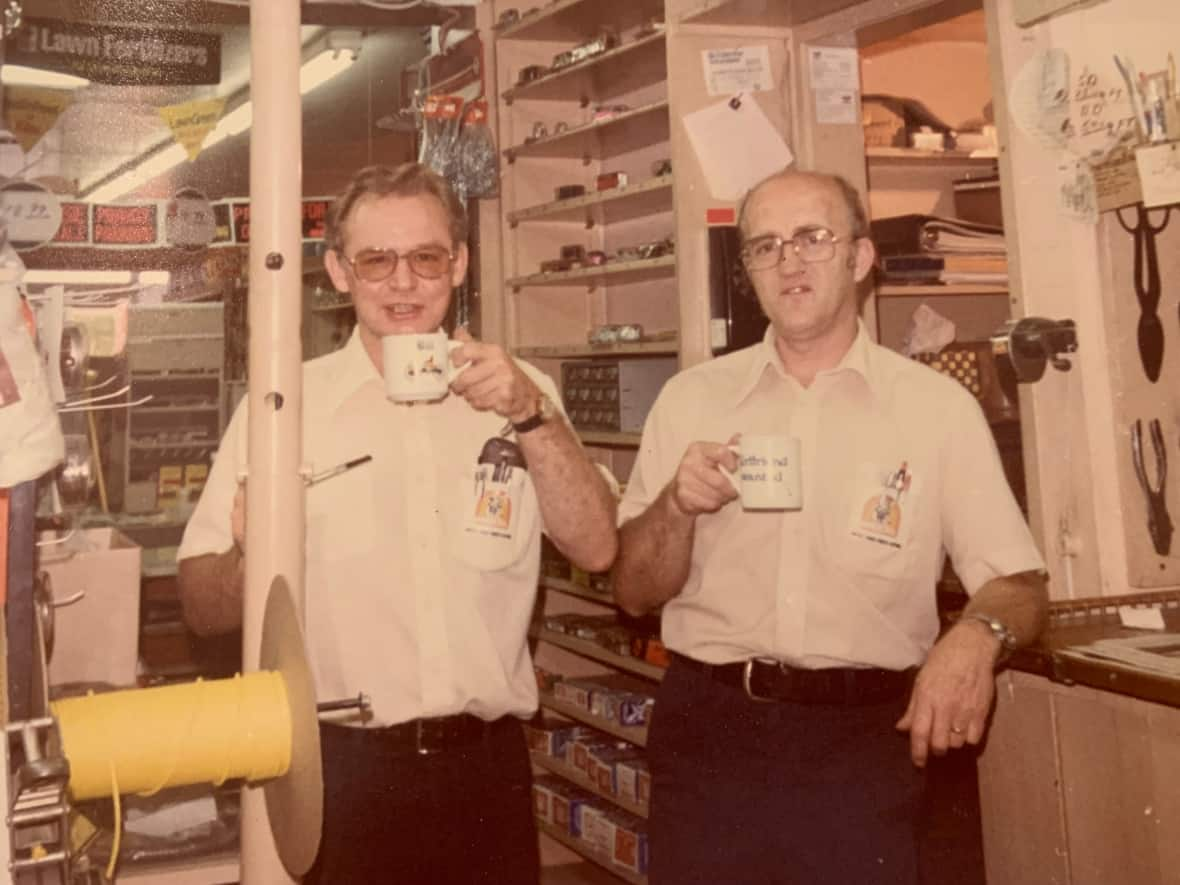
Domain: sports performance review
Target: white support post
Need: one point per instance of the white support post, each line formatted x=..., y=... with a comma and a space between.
x=275, y=500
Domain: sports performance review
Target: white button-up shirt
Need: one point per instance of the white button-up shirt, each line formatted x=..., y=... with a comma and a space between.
x=409, y=599
x=833, y=584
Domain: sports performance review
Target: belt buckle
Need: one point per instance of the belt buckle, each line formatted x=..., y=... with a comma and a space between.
x=748, y=670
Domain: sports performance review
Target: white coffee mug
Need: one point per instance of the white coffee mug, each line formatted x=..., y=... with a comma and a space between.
x=768, y=475
x=418, y=367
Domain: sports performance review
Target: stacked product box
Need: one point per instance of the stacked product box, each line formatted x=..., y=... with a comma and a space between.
x=557, y=802
x=576, y=692
x=606, y=631
x=602, y=765
x=614, y=834
x=547, y=680
x=580, y=750
x=633, y=779
x=630, y=848
x=550, y=735
x=622, y=699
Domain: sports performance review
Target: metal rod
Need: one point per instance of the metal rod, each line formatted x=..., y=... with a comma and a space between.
x=360, y=702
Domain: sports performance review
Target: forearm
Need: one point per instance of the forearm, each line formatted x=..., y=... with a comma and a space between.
x=1020, y=602
x=211, y=591
x=576, y=504
x=655, y=553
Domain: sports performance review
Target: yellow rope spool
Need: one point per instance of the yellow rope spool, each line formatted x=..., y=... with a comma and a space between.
x=199, y=732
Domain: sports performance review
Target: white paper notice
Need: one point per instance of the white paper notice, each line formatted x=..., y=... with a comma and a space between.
x=1159, y=173
x=744, y=69
x=833, y=68
x=737, y=146
x=1142, y=617
x=836, y=106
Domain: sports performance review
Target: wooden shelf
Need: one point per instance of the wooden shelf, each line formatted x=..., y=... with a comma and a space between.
x=588, y=649
x=616, y=272
x=590, y=853
x=757, y=13
x=571, y=589
x=578, y=20
x=650, y=197
x=901, y=290
x=609, y=438
x=623, y=133
x=917, y=155
x=583, y=872
x=590, y=80
x=574, y=776
x=603, y=351
x=636, y=734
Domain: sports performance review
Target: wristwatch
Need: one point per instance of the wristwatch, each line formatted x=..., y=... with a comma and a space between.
x=1006, y=637
x=545, y=411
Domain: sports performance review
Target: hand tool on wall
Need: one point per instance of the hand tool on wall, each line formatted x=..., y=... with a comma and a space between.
x=1159, y=523
x=1147, y=288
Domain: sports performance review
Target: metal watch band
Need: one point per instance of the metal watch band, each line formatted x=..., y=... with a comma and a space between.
x=999, y=629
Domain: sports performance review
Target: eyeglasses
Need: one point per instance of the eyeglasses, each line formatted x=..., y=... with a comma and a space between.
x=375, y=265
x=812, y=245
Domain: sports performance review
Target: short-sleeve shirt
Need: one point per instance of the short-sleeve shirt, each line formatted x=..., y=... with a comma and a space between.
x=834, y=584
x=420, y=578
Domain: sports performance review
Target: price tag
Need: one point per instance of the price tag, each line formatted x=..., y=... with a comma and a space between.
x=30, y=213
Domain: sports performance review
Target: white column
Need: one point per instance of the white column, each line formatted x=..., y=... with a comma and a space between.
x=275, y=500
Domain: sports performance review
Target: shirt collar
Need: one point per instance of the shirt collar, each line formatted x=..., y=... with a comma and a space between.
x=857, y=360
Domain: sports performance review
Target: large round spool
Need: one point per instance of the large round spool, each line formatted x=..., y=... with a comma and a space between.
x=259, y=727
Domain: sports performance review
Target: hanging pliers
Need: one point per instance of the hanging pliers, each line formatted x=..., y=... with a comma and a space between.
x=1159, y=523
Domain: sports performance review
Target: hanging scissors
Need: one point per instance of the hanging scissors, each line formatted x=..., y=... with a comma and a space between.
x=1159, y=523
x=1147, y=288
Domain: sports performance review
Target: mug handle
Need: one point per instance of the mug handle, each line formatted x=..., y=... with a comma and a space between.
x=733, y=481
x=454, y=371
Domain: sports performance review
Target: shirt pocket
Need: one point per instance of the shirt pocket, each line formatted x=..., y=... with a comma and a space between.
x=878, y=536
x=495, y=520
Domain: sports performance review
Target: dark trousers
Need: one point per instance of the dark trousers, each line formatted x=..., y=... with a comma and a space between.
x=751, y=793
x=463, y=815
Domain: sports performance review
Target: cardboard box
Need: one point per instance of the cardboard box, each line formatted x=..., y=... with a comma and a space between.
x=96, y=639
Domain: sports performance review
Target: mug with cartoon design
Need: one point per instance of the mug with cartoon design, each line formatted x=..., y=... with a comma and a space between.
x=769, y=476
x=418, y=367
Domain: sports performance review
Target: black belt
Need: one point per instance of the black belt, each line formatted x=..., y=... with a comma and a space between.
x=765, y=679
x=421, y=736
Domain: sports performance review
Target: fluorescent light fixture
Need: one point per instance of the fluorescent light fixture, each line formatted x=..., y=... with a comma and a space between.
x=324, y=67
x=314, y=73
x=19, y=75
x=80, y=277
x=155, y=277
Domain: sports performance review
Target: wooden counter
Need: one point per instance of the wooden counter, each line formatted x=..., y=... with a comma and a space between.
x=1078, y=779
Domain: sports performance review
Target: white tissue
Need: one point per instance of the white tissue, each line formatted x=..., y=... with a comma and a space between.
x=929, y=332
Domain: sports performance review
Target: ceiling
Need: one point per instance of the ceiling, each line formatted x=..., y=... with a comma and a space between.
x=108, y=127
